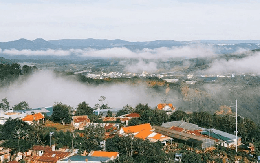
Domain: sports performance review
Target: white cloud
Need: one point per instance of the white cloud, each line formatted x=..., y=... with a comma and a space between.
x=249, y=64
x=158, y=53
x=141, y=66
x=36, y=52
x=44, y=89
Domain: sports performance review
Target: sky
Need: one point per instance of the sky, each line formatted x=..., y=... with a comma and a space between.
x=135, y=20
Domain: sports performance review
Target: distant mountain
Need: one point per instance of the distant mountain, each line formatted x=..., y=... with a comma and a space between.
x=220, y=46
x=41, y=44
x=37, y=44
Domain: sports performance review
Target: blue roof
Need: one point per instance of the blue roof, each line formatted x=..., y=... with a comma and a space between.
x=48, y=112
x=83, y=158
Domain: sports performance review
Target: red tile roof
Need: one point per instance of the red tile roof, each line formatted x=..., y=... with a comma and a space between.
x=35, y=117
x=83, y=118
x=41, y=148
x=109, y=119
x=177, y=128
x=133, y=115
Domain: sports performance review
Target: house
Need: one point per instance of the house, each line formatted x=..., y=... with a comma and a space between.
x=45, y=154
x=4, y=154
x=226, y=139
x=126, y=117
x=213, y=136
x=169, y=108
x=4, y=116
x=34, y=117
x=84, y=159
x=131, y=115
x=144, y=131
x=110, y=155
x=189, y=137
x=182, y=124
x=93, y=157
x=80, y=122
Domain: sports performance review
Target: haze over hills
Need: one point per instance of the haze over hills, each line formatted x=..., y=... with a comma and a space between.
x=221, y=46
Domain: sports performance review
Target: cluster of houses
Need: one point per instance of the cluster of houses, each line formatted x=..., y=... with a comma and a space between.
x=47, y=154
x=21, y=114
x=176, y=130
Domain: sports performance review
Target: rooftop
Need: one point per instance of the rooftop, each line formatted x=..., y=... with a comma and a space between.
x=182, y=124
x=104, y=154
x=137, y=128
x=34, y=117
x=83, y=158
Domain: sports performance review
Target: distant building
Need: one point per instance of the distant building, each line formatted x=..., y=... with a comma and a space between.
x=169, y=108
x=190, y=82
x=171, y=80
x=208, y=136
x=80, y=122
x=93, y=157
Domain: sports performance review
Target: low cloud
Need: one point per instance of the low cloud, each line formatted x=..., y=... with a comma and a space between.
x=192, y=51
x=248, y=64
x=35, y=52
x=141, y=66
x=45, y=88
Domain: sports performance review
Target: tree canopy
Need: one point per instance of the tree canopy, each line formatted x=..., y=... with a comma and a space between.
x=61, y=113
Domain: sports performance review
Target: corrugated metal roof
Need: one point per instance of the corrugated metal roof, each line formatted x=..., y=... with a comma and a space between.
x=182, y=124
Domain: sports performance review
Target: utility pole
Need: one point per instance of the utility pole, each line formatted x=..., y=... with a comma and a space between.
x=236, y=125
x=51, y=133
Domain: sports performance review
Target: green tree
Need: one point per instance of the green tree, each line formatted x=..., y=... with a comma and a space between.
x=84, y=109
x=91, y=138
x=109, y=113
x=4, y=105
x=18, y=135
x=21, y=106
x=61, y=113
x=141, y=108
x=126, y=110
x=178, y=115
x=26, y=69
x=160, y=116
x=140, y=150
x=134, y=121
x=191, y=157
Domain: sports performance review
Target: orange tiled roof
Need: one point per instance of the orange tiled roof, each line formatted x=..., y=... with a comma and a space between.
x=137, y=128
x=133, y=115
x=157, y=136
x=143, y=134
x=104, y=154
x=161, y=106
x=35, y=117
